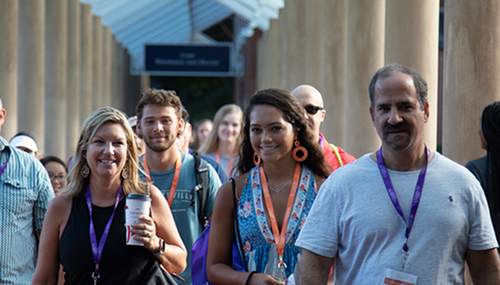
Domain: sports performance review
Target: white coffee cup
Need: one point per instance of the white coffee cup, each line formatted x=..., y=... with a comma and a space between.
x=136, y=205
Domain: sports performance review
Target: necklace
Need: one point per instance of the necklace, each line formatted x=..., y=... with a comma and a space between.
x=279, y=190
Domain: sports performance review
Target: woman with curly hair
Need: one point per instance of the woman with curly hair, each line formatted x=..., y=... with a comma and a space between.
x=282, y=169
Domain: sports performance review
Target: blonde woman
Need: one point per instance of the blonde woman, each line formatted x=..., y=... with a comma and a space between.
x=225, y=137
x=84, y=228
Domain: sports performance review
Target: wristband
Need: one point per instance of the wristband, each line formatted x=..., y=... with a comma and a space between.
x=249, y=277
x=162, y=249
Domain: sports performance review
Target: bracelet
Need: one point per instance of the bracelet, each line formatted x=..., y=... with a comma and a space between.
x=249, y=277
x=162, y=249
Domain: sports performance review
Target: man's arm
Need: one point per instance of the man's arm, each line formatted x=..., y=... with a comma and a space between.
x=312, y=268
x=484, y=266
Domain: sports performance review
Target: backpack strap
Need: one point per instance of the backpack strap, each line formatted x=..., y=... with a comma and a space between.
x=201, y=188
x=236, y=226
x=337, y=154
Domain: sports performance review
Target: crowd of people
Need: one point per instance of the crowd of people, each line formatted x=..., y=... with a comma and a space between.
x=276, y=202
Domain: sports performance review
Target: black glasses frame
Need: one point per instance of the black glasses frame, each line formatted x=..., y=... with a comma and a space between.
x=313, y=110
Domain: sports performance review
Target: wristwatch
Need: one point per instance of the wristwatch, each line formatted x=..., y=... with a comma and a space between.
x=162, y=249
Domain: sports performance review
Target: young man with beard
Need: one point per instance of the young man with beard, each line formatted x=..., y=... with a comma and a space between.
x=172, y=171
x=312, y=101
x=402, y=215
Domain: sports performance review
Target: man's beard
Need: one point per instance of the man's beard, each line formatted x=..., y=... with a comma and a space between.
x=398, y=143
x=160, y=146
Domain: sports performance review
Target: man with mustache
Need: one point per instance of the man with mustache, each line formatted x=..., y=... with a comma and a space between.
x=312, y=101
x=172, y=171
x=401, y=215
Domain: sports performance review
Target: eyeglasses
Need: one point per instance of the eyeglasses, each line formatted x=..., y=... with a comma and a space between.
x=312, y=110
x=60, y=177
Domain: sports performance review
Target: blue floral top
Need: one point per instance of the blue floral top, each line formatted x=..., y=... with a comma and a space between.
x=256, y=234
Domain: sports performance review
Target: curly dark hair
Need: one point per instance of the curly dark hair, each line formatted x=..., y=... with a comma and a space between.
x=294, y=113
x=160, y=98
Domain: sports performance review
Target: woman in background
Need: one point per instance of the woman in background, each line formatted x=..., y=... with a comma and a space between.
x=84, y=227
x=225, y=137
x=487, y=168
x=201, y=130
x=58, y=172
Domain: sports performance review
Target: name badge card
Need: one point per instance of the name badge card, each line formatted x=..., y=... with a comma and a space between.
x=393, y=277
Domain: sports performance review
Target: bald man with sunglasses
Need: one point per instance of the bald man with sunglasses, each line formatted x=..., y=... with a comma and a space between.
x=312, y=101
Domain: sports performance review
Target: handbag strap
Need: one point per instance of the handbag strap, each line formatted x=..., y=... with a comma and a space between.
x=237, y=229
x=337, y=154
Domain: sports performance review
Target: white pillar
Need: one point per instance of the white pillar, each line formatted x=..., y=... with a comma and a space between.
x=8, y=64
x=97, y=64
x=120, y=71
x=106, y=63
x=412, y=39
x=56, y=44
x=365, y=55
x=334, y=70
x=31, y=59
x=86, y=62
x=472, y=65
x=73, y=83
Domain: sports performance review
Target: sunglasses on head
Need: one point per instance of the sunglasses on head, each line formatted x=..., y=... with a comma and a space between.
x=311, y=109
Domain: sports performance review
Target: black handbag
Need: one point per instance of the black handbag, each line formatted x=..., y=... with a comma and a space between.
x=157, y=275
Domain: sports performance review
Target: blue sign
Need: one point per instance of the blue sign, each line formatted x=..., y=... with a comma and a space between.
x=189, y=60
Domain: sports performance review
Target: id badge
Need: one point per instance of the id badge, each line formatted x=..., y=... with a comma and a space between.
x=393, y=277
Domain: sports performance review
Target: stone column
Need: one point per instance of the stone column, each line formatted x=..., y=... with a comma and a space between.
x=311, y=72
x=130, y=91
x=119, y=71
x=293, y=48
x=31, y=59
x=472, y=64
x=106, y=64
x=333, y=70
x=113, y=74
x=73, y=77
x=97, y=64
x=56, y=48
x=145, y=81
x=8, y=64
x=270, y=53
x=86, y=60
x=365, y=55
x=412, y=39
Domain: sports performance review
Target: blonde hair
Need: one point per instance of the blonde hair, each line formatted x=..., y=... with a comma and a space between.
x=212, y=140
x=77, y=185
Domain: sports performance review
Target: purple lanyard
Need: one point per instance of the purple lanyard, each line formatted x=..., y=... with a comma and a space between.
x=97, y=249
x=392, y=194
x=2, y=168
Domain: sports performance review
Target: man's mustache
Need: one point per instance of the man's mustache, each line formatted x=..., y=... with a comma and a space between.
x=403, y=126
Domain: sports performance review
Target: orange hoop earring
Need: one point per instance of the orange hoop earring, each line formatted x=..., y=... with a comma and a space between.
x=297, y=149
x=256, y=159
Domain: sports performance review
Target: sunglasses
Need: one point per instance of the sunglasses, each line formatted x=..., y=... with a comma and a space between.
x=312, y=110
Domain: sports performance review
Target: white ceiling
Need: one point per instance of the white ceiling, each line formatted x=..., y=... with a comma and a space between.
x=139, y=22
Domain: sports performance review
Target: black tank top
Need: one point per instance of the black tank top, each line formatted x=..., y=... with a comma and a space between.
x=120, y=263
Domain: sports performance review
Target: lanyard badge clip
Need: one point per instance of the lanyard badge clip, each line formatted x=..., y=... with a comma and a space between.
x=405, y=257
x=96, y=275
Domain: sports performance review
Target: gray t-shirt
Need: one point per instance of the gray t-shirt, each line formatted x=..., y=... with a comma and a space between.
x=224, y=163
x=354, y=220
